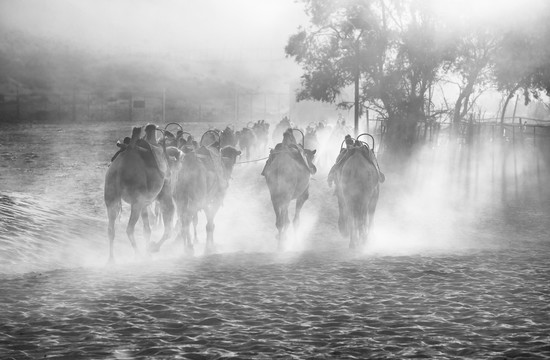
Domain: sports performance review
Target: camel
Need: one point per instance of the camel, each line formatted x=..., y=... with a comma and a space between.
x=357, y=179
x=261, y=129
x=247, y=141
x=287, y=173
x=136, y=178
x=310, y=139
x=228, y=137
x=201, y=184
x=211, y=138
x=280, y=128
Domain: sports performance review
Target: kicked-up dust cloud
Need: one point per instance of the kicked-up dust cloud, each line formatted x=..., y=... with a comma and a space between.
x=456, y=194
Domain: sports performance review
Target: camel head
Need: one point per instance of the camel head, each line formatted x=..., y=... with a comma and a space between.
x=136, y=134
x=310, y=155
x=229, y=158
x=150, y=133
x=187, y=145
x=288, y=137
x=228, y=137
x=169, y=139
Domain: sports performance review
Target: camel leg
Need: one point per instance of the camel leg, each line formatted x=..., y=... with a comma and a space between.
x=158, y=213
x=352, y=229
x=210, y=212
x=113, y=209
x=167, y=208
x=370, y=214
x=285, y=224
x=195, y=223
x=135, y=212
x=146, y=225
x=276, y=208
x=186, y=220
x=281, y=221
x=343, y=226
x=299, y=203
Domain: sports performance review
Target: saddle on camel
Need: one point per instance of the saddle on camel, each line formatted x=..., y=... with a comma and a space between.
x=357, y=177
x=151, y=151
x=351, y=146
x=289, y=145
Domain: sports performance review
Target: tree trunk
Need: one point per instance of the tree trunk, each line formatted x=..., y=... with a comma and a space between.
x=508, y=98
x=356, y=106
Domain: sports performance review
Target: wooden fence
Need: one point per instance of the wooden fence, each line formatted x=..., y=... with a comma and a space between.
x=508, y=159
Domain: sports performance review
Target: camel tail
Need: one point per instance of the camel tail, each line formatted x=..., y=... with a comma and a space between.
x=136, y=134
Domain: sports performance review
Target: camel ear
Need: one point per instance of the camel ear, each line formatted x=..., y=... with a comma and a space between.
x=314, y=151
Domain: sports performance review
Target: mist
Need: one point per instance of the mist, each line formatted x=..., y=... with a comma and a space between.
x=241, y=41
x=456, y=264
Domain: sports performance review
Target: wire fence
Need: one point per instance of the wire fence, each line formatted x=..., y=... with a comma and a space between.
x=78, y=106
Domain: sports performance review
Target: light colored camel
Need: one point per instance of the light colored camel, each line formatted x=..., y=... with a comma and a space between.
x=357, y=189
x=287, y=174
x=135, y=178
x=201, y=184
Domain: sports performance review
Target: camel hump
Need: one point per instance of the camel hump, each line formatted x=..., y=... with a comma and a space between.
x=369, y=155
x=212, y=160
x=296, y=152
x=299, y=154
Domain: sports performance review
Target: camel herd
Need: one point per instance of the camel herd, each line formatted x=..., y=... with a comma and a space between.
x=182, y=176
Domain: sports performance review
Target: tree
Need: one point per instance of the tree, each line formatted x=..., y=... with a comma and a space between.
x=522, y=61
x=332, y=51
x=471, y=67
x=387, y=48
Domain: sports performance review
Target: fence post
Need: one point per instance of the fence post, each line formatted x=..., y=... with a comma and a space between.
x=131, y=101
x=515, y=158
x=537, y=155
x=74, y=106
x=89, y=99
x=18, y=104
x=59, y=106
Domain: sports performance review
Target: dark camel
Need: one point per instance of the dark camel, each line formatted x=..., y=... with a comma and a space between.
x=287, y=174
x=135, y=177
x=201, y=184
x=357, y=179
x=261, y=129
x=228, y=137
x=247, y=141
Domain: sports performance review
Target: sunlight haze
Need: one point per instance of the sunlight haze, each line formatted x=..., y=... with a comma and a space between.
x=160, y=26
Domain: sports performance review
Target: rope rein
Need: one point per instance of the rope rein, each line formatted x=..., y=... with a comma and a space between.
x=251, y=161
x=264, y=158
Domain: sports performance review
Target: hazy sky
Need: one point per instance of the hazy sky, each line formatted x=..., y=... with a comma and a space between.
x=176, y=26
x=187, y=26
x=251, y=33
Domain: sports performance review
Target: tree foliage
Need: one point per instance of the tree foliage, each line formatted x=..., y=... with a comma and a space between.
x=402, y=50
x=391, y=45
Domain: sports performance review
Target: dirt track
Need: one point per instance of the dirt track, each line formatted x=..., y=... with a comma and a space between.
x=424, y=288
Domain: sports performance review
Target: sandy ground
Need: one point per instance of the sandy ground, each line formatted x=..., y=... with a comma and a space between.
x=439, y=279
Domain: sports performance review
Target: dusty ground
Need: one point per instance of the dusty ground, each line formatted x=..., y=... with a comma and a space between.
x=441, y=278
